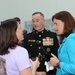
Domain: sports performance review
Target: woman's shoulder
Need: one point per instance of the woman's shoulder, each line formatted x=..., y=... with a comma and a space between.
x=72, y=35
x=18, y=49
x=71, y=38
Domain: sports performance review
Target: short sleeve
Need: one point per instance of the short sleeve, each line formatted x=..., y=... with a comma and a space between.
x=21, y=58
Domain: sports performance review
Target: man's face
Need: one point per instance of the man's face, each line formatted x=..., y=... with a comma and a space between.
x=38, y=22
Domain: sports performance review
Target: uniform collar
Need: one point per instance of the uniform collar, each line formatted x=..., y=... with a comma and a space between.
x=41, y=32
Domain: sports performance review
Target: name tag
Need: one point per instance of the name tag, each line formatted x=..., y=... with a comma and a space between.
x=31, y=40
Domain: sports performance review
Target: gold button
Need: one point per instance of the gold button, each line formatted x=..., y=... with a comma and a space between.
x=39, y=41
x=30, y=45
x=39, y=35
x=39, y=47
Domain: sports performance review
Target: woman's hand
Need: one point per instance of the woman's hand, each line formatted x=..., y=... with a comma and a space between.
x=36, y=63
x=53, y=60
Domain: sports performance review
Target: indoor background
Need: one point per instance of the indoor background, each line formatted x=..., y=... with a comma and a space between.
x=24, y=8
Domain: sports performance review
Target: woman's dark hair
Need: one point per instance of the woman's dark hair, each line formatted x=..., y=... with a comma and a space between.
x=8, y=38
x=68, y=19
x=17, y=19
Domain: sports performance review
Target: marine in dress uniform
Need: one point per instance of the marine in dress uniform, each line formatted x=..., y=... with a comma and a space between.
x=42, y=43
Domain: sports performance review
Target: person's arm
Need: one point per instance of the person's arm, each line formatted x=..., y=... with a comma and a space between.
x=32, y=70
x=22, y=61
x=26, y=71
x=54, y=61
x=66, y=65
x=35, y=65
x=69, y=68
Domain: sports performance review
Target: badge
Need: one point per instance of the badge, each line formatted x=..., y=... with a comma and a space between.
x=31, y=40
x=48, y=50
x=47, y=41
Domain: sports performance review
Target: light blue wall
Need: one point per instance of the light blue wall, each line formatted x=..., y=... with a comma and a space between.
x=25, y=8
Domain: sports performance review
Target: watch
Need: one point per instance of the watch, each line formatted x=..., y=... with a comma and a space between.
x=58, y=65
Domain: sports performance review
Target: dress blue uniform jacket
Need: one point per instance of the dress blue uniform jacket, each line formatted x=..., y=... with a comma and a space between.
x=44, y=42
x=66, y=55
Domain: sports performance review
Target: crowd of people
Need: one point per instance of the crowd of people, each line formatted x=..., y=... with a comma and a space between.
x=38, y=52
